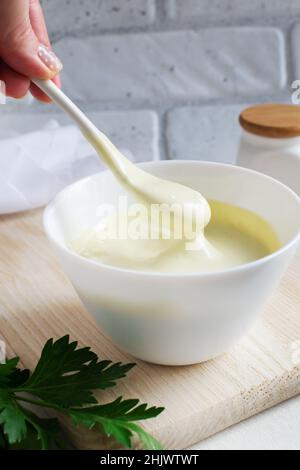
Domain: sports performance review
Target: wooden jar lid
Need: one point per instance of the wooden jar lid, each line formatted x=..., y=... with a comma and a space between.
x=272, y=120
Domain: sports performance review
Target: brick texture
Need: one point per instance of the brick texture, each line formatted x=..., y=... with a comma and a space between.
x=90, y=16
x=204, y=133
x=169, y=77
x=135, y=132
x=181, y=65
x=221, y=12
x=296, y=52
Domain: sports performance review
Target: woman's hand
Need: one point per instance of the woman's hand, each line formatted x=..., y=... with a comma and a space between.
x=25, y=49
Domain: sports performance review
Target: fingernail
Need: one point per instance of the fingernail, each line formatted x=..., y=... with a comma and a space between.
x=2, y=92
x=49, y=58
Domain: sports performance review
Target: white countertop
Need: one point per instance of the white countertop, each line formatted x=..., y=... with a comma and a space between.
x=275, y=429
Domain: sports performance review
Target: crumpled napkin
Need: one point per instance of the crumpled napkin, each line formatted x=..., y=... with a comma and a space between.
x=37, y=165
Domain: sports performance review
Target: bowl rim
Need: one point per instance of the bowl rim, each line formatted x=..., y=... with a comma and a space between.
x=176, y=275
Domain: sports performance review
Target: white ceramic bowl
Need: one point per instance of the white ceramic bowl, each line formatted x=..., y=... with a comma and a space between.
x=177, y=319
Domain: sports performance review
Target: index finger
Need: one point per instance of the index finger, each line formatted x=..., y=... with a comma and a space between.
x=38, y=25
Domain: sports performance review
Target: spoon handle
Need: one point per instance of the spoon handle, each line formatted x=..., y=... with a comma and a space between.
x=110, y=155
x=48, y=87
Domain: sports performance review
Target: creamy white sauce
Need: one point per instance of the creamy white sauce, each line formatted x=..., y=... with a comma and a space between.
x=227, y=241
x=234, y=236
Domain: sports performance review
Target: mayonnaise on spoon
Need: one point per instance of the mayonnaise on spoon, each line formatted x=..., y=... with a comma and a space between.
x=151, y=189
x=146, y=187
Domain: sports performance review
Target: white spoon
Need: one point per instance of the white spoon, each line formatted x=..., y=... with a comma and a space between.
x=152, y=189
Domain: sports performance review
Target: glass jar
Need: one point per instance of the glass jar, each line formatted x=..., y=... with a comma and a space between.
x=270, y=142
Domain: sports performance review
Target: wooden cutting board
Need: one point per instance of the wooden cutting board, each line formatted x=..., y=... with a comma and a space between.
x=37, y=302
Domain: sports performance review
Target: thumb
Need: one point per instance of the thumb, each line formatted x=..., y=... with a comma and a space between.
x=19, y=46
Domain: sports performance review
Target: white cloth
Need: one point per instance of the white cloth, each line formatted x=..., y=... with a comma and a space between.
x=36, y=165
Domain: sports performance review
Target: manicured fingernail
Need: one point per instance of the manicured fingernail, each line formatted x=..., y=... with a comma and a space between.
x=2, y=92
x=49, y=58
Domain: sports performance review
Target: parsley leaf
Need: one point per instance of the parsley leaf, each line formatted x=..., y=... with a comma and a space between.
x=116, y=420
x=7, y=369
x=64, y=380
x=10, y=375
x=11, y=417
x=47, y=430
x=66, y=376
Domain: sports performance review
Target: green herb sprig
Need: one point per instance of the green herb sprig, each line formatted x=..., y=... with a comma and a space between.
x=64, y=380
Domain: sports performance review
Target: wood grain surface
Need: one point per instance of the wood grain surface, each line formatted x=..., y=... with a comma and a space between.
x=38, y=302
x=272, y=120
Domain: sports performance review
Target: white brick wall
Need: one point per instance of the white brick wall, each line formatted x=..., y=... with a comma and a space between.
x=206, y=12
x=169, y=77
x=135, y=132
x=205, y=133
x=174, y=65
x=90, y=16
x=296, y=51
